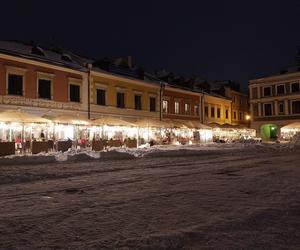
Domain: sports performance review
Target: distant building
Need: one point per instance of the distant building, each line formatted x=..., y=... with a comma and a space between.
x=275, y=102
x=240, y=110
x=217, y=109
x=180, y=103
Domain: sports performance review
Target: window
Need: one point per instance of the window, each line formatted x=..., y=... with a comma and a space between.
x=187, y=108
x=165, y=106
x=120, y=100
x=66, y=57
x=254, y=93
x=152, y=104
x=196, y=110
x=138, y=102
x=74, y=93
x=15, y=84
x=37, y=51
x=101, y=94
x=241, y=116
x=226, y=113
x=295, y=87
x=233, y=99
x=218, y=113
x=267, y=91
x=241, y=101
x=206, y=111
x=44, y=88
x=268, y=109
x=234, y=115
x=212, y=112
x=296, y=107
x=280, y=89
x=176, y=107
x=281, y=107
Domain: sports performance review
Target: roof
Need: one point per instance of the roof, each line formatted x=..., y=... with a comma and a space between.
x=284, y=72
x=38, y=53
x=218, y=96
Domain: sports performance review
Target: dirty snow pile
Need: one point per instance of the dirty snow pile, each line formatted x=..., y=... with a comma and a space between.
x=144, y=151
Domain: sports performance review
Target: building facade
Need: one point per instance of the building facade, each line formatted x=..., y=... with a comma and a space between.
x=274, y=102
x=240, y=113
x=181, y=104
x=217, y=109
x=41, y=87
x=123, y=97
x=49, y=83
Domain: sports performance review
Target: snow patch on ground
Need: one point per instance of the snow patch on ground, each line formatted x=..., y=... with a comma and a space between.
x=143, y=151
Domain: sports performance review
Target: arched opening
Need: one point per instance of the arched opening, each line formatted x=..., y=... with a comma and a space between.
x=269, y=132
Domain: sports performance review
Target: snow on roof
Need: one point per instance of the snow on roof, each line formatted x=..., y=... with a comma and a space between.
x=25, y=51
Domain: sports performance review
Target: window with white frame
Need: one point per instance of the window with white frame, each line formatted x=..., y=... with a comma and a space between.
x=187, y=108
x=101, y=97
x=45, y=85
x=212, y=112
x=15, y=84
x=296, y=107
x=15, y=80
x=268, y=109
x=267, y=91
x=176, y=107
x=206, y=111
x=165, y=106
x=138, y=102
x=74, y=92
x=218, y=112
x=295, y=87
x=280, y=89
x=120, y=100
x=254, y=93
x=152, y=102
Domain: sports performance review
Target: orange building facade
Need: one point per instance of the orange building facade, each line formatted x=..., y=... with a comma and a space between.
x=180, y=104
x=40, y=87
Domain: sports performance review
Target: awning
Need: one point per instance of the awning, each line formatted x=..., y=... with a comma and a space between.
x=75, y=119
x=196, y=125
x=21, y=117
x=294, y=125
x=179, y=124
x=152, y=123
x=111, y=121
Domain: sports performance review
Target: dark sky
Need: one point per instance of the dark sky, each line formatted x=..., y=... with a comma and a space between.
x=237, y=40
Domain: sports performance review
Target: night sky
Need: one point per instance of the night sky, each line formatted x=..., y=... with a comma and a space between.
x=238, y=40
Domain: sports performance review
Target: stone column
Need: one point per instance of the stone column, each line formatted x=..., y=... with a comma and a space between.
x=259, y=109
x=275, y=107
x=286, y=107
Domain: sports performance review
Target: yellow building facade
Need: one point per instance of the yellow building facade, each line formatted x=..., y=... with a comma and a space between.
x=122, y=97
x=217, y=110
